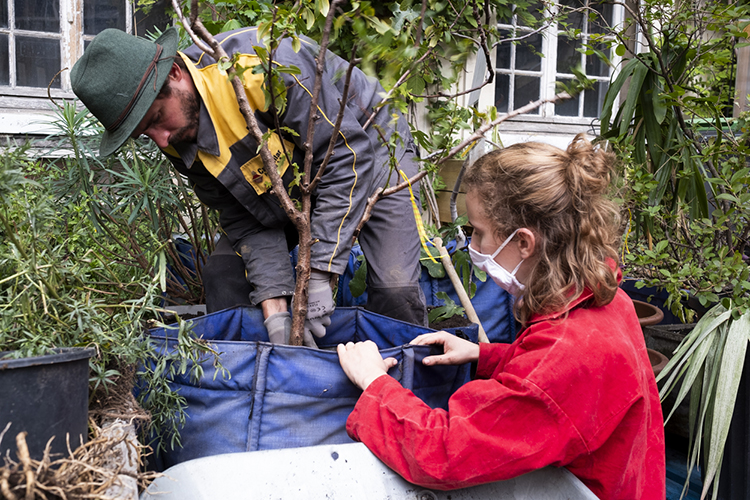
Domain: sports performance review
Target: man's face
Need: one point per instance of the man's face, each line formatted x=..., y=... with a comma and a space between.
x=172, y=118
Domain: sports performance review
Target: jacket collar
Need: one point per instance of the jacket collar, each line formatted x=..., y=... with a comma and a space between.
x=583, y=297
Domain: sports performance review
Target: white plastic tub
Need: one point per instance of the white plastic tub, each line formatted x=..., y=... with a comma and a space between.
x=337, y=472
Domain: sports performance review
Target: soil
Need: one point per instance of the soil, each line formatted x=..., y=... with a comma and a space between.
x=452, y=322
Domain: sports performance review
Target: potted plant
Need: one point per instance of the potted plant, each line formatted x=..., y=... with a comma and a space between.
x=71, y=319
x=686, y=202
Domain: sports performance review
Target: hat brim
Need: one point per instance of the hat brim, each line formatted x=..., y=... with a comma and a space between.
x=111, y=141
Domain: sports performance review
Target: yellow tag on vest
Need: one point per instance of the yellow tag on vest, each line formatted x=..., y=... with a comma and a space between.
x=254, y=170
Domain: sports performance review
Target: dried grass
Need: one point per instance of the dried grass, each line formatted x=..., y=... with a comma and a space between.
x=93, y=470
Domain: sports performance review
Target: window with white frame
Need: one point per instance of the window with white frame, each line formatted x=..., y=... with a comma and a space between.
x=39, y=38
x=528, y=68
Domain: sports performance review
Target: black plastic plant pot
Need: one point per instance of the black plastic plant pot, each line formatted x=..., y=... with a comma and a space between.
x=45, y=396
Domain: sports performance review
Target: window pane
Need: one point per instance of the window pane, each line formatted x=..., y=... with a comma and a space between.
x=502, y=90
x=4, y=66
x=530, y=15
x=567, y=56
x=99, y=15
x=38, y=15
x=527, y=90
x=594, y=65
x=594, y=99
x=37, y=62
x=3, y=13
x=503, y=50
x=573, y=20
x=528, y=53
x=504, y=14
x=568, y=107
x=601, y=23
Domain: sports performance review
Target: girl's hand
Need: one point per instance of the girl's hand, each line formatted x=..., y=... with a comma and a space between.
x=456, y=351
x=363, y=363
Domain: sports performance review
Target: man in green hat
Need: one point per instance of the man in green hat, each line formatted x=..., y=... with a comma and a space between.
x=187, y=106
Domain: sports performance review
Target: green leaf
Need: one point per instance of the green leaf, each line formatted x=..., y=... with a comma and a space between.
x=230, y=25
x=727, y=385
x=163, y=271
x=613, y=93
x=634, y=91
x=358, y=283
x=701, y=201
x=659, y=106
x=290, y=70
x=707, y=325
x=436, y=270
x=447, y=310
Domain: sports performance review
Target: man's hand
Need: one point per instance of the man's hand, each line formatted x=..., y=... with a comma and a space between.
x=319, y=304
x=456, y=351
x=279, y=327
x=363, y=363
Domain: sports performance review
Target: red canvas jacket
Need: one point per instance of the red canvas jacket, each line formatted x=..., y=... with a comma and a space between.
x=575, y=392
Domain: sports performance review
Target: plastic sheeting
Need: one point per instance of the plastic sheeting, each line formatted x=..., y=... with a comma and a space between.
x=286, y=397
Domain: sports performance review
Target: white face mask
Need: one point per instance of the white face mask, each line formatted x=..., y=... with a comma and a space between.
x=505, y=280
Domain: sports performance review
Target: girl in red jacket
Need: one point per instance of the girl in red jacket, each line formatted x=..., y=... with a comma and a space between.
x=575, y=389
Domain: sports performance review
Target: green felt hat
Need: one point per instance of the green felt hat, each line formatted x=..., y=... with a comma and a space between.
x=118, y=77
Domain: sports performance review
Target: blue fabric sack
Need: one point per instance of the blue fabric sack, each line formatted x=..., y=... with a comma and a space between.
x=284, y=396
x=493, y=305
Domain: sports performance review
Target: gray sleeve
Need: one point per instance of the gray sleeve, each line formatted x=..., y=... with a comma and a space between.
x=263, y=249
x=341, y=196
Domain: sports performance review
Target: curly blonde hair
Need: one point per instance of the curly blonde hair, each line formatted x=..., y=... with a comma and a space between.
x=561, y=197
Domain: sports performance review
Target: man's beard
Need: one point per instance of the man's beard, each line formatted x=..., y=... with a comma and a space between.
x=191, y=109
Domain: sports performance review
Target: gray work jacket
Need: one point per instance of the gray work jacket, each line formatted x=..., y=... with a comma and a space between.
x=226, y=172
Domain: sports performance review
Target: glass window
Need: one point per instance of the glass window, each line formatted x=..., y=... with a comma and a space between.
x=574, y=36
x=595, y=66
x=38, y=15
x=602, y=22
x=33, y=34
x=4, y=70
x=3, y=13
x=502, y=86
x=568, y=56
x=531, y=60
x=526, y=91
x=573, y=19
x=529, y=53
x=594, y=99
x=37, y=62
x=518, y=68
x=503, y=50
x=568, y=107
x=99, y=15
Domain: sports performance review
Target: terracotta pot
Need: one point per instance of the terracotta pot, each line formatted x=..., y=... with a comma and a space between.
x=648, y=314
x=658, y=361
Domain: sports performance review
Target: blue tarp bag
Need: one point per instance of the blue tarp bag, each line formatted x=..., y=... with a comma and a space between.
x=493, y=305
x=285, y=397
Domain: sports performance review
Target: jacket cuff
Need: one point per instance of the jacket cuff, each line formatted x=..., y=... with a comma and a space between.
x=370, y=396
x=490, y=356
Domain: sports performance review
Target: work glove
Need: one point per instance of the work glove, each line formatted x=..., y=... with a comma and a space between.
x=319, y=305
x=279, y=326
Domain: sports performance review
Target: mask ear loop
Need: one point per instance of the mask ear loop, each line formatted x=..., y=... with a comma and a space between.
x=516, y=268
x=507, y=240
